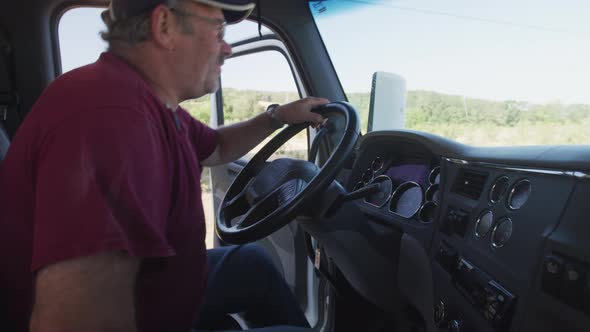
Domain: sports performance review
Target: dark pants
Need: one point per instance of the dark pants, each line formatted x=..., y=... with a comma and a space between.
x=243, y=279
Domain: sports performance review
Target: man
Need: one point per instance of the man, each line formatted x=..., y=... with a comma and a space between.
x=103, y=226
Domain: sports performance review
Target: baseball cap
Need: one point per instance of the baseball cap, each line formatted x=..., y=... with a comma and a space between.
x=233, y=10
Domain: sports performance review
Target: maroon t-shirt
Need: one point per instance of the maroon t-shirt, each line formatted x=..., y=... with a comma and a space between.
x=100, y=164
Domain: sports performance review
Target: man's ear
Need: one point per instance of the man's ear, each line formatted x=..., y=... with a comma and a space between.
x=163, y=27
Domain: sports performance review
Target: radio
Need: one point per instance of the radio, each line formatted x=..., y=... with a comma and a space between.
x=493, y=301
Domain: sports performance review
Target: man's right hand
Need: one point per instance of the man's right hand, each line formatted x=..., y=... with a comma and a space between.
x=299, y=111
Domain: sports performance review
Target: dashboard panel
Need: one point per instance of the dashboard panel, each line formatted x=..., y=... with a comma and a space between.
x=502, y=226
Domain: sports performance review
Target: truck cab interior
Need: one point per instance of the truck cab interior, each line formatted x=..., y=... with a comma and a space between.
x=419, y=206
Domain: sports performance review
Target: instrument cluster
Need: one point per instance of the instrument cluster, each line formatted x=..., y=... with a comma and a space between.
x=409, y=189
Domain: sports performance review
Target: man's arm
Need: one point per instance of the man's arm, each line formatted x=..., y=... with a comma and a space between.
x=92, y=294
x=236, y=140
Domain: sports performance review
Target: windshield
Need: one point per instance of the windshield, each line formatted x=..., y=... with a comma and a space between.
x=497, y=73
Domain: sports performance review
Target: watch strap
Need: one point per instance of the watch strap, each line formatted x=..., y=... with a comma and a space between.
x=275, y=122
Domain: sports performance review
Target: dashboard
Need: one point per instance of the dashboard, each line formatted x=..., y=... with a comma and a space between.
x=505, y=229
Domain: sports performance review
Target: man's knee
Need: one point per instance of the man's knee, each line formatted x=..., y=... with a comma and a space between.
x=255, y=255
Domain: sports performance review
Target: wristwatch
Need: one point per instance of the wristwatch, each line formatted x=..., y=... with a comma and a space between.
x=275, y=122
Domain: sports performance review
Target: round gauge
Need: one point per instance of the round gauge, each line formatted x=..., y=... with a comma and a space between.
x=434, y=176
x=367, y=176
x=406, y=199
x=484, y=223
x=499, y=189
x=519, y=194
x=428, y=212
x=433, y=194
x=377, y=164
x=502, y=232
x=379, y=198
x=358, y=185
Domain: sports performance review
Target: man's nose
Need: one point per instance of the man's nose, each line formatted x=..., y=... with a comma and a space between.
x=226, y=49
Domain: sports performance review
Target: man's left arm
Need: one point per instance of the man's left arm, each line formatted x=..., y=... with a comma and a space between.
x=236, y=140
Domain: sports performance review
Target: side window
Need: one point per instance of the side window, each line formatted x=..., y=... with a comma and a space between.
x=79, y=37
x=80, y=44
x=253, y=81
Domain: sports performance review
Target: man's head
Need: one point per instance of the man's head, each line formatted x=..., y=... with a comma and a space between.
x=182, y=38
x=127, y=19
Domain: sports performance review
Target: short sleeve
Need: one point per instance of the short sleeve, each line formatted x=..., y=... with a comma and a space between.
x=102, y=183
x=203, y=137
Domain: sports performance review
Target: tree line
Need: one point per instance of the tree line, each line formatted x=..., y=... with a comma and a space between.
x=447, y=115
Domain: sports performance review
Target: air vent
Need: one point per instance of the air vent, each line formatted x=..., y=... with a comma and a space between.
x=470, y=183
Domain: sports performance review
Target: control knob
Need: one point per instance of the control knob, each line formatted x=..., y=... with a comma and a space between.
x=440, y=313
x=455, y=326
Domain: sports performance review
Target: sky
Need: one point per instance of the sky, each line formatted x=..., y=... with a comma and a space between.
x=503, y=49
x=534, y=51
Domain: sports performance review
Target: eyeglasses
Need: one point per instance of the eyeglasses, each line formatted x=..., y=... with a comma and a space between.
x=219, y=23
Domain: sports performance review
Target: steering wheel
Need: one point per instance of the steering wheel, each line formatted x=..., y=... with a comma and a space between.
x=266, y=196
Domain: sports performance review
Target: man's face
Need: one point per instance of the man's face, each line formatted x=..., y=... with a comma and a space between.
x=201, y=50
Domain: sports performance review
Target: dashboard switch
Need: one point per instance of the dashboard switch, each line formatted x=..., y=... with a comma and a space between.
x=440, y=313
x=460, y=224
x=447, y=225
x=455, y=222
x=572, y=286
x=455, y=326
x=553, y=267
x=447, y=258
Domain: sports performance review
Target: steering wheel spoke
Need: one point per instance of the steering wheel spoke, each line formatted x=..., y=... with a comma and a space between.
x=259, y=211
x=237, y=204
x=264, y=207
x=236, y=207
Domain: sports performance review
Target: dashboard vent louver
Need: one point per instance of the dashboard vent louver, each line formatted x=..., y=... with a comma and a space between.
x=470, y=183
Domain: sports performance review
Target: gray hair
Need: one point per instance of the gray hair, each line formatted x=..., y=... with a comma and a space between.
x=136, y=29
